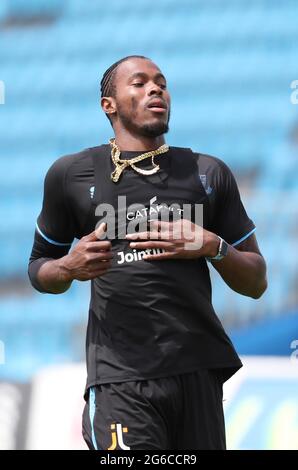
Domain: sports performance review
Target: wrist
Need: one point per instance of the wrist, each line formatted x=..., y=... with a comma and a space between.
x=222, y=250
x=64, y=272
x=212, y=246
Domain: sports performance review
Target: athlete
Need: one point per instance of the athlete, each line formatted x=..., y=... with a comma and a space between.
x=157, y=354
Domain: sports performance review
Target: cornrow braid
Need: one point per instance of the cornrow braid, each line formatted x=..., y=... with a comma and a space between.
x=107, y=85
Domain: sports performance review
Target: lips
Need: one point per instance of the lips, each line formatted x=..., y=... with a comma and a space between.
x=157, y=105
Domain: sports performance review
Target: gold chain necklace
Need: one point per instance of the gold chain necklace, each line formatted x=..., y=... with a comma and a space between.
x=121, y=164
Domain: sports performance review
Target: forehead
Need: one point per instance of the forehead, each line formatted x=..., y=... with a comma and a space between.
x=135, y=65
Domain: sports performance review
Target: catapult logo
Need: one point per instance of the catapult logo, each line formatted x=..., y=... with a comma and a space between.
x=138, y=211
x=135, y=217
x=117, y=431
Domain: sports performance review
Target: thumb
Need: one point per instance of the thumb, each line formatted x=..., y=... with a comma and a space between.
x=97, y=233
x=100, y=230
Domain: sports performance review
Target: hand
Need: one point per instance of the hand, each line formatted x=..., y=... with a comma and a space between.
x=179, y=239
x=90, y=258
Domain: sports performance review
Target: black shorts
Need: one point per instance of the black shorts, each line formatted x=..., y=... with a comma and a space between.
x=182, y=412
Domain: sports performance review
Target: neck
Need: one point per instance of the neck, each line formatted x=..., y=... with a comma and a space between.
x=137, y=143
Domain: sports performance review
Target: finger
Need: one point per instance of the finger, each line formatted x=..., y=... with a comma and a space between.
x=99, y=257
x=155, y=235
x=95, y=235
x=99, y=231
x=157, y=228
x=143, y=235
x=162, y=229
x=153, y=244
x=102, y=266
x=99, y=246
x=160, y=256
x=160, y=224
x=169, y=230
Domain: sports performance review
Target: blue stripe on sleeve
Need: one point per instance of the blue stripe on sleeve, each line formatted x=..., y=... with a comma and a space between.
x=49, y=240
x=244, y=238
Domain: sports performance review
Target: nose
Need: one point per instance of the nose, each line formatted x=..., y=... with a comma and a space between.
x=154, y=89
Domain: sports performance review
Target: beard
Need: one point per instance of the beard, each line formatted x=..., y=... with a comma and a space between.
x=153, y=129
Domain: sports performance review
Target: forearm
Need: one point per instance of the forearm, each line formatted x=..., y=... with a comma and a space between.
x=49, y=276
x=244, y=272
x=89, y=259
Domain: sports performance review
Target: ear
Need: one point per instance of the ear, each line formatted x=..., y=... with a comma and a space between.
x=108, y=105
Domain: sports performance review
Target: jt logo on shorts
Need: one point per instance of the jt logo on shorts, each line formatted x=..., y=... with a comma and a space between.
x=119, y=431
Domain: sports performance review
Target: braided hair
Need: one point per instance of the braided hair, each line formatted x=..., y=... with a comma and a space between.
x=107, y=84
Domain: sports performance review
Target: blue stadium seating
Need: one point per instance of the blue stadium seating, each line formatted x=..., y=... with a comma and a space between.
x=25, y=9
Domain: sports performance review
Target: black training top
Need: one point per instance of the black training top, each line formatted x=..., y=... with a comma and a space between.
x=147, y=319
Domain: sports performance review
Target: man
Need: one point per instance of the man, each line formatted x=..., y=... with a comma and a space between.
x=157, y=354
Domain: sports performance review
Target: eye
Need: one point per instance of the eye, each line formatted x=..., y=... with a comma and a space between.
x=163, y=86
x=138, y=84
